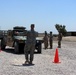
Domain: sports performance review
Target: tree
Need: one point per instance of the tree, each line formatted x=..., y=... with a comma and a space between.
x=61, y=29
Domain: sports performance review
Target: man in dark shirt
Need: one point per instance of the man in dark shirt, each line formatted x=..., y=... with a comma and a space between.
x=30, y=44
x=59, y=40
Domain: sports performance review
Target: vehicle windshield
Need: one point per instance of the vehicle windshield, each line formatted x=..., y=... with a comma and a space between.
x=19, y=33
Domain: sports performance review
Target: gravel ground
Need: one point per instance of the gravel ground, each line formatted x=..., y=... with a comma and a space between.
x=11, y=64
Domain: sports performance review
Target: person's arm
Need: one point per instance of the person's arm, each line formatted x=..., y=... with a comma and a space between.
x=36, y=34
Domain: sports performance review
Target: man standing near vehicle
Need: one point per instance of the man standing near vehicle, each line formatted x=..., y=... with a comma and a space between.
x=45, y=39
x=30, y=44
x=51, y=40
x=59, y=39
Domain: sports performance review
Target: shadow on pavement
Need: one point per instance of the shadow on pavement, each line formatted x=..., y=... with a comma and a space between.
x=9, y=50
x=28, y=64
x=24, y=65
x=12, y=51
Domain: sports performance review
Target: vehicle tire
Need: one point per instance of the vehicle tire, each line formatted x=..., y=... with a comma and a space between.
x=16, y=48
x=39, y=48
x=2, y=46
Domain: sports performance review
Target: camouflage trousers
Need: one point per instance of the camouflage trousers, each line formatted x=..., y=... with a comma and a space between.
x=45, y=45
x=51, y=44
x=59, y=44
x=29, y=48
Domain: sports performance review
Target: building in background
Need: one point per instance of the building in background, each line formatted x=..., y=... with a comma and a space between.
x=71, y=33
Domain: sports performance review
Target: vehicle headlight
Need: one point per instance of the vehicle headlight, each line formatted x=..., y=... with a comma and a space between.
x=37, y=41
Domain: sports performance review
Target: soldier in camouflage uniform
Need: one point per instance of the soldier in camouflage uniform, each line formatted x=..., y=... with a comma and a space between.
x=45, y=40
x=59, y=40
x=51, y=40
x=30, y=44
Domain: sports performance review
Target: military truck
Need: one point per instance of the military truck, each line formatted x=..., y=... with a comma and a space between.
x=19, y=40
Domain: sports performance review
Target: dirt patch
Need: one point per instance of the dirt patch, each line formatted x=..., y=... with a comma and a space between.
x=69, y=38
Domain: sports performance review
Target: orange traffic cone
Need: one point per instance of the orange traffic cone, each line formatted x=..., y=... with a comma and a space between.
x=56, y=58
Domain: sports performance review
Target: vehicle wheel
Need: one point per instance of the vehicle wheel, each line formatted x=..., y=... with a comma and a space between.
x=39, y=48
x=2, y=45
x=16, y=48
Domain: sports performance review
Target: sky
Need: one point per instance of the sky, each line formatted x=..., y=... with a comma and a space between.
x=43, y=13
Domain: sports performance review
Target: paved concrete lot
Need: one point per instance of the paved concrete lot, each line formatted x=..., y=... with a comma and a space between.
x=11, y=64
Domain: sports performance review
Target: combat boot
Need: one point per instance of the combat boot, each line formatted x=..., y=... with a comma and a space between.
x=26, y=62
x=30, y=62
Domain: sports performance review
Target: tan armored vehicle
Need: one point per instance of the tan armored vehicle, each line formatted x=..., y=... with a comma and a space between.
x=18, y=40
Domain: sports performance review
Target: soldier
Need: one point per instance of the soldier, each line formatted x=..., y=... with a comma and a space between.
x=45, y=40
x=51, y=40
x=59, y=40
x=30, y=44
